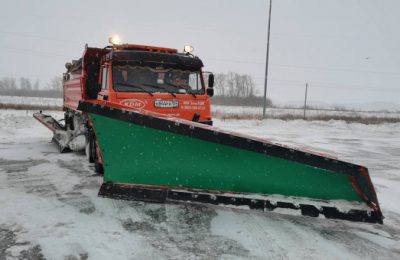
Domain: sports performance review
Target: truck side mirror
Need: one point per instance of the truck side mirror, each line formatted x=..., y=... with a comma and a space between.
x=210, y=92
x=211, y=80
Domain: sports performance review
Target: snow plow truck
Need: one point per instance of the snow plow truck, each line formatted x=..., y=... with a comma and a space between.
x=142, y=115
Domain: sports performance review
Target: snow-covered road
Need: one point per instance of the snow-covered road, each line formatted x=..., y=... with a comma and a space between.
x=49, y=207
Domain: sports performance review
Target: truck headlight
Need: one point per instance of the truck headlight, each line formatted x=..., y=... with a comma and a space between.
x=114, y=40
x=188, y=49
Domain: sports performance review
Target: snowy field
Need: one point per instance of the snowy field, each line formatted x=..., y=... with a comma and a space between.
x=49, y=207
x=37, y=101
x=255, y=112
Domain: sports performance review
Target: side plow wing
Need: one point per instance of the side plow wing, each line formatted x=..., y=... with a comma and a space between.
x=66, y=140
x=58, y=130
x=150, y=158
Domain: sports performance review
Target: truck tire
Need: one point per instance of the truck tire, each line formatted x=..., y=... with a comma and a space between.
x=98, y=167
x=91, y=148
x=69, y=122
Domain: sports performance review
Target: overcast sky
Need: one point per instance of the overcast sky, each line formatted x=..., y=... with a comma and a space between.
x=348, y=50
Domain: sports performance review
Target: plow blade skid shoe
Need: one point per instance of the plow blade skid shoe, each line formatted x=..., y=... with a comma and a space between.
x=152, y=158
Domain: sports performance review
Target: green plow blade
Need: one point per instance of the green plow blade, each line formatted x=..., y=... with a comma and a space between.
x=157, y=159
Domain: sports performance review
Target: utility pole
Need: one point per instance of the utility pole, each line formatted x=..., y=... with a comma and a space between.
x=267, y=59
x=305, y=101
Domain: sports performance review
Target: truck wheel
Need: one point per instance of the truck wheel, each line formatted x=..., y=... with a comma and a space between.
x=69, y=122
x=98, y=167
x=89, y=153
x=91, y=148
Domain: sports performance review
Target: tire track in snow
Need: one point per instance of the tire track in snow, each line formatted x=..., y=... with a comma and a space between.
x=263, y=238
x=359, y=239
x=11, y=248
x=40, y=183
x=177, y=230
x=75, y=197
x=278, y=236
x=19, y=177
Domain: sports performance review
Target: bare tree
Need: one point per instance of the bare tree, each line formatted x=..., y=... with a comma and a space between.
x=235, y=89
x=8, y=84
x=55, y=84
x=220, y=84
x=234, y=85
x=36, y=85
x=9, y=87
x=25, y=84
x=230, y=84
x=249, y=86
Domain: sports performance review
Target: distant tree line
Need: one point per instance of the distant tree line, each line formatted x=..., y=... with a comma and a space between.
x=231, y=89
x=24, y=87
x=234, y=89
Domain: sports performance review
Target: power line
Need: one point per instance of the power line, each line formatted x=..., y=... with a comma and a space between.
x=298, y=83
x=33, y=52
x=337, y=69
x=377, y=89
x=327, y=36
x=275, y=81
x=38, y=37
x=307, y=67
x=330, y=85
x=217, y=59
x=235, y=61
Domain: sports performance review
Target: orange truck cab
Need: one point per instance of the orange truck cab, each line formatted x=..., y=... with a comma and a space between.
x=133, y=77
x=140, y=77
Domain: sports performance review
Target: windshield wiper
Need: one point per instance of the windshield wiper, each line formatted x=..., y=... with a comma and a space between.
x=185, y=87
x=160, y=87
x=135, y=86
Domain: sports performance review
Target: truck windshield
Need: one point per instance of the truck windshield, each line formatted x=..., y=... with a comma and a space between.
x=128, y=78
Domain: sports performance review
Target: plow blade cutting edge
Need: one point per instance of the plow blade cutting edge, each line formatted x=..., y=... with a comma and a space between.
x=151, y=158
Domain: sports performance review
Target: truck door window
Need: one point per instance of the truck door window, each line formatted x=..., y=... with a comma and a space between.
x=104, y=82
x=194, y=81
